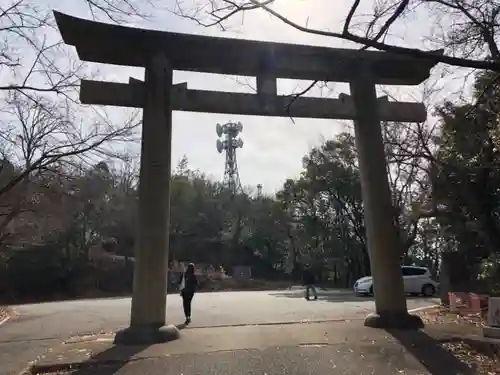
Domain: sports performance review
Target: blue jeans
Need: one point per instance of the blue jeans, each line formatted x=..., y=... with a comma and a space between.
x=310, y=287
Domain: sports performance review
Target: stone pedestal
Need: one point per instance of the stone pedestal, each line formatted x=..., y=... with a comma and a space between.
x=383, y=244
x=389, y=320
x=146, y=335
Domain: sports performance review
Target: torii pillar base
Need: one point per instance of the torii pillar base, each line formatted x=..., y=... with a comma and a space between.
x=389, y=320
x=146, y=335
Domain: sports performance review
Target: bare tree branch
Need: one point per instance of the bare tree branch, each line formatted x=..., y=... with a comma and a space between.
x=383, y=30
x=224, y=9
x=350, y=16
x=42, y=134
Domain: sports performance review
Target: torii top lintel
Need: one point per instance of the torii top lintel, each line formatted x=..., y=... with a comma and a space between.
x=120, y=45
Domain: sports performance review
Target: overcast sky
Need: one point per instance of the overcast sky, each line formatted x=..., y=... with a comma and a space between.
x=273, y=147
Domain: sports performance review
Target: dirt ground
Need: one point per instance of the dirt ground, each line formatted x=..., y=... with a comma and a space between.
x=484, y=355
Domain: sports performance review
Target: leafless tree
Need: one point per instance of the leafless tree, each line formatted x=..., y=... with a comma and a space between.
x=121, y=10
x=466, y=29
x=38, y=135
x=40, y=126
x=33, y=60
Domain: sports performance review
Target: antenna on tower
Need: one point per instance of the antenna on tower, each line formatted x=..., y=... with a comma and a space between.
x=228, y=144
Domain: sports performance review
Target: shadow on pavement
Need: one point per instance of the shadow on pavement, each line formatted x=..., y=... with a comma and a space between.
x=112, y=360
x=330, y=295
x=105, y=363
x=426, y=350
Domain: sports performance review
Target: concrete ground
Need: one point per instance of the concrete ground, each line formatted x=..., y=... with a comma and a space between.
x=39, y=327
x=299, y=348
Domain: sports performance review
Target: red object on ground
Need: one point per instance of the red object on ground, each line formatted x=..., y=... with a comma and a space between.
x=466, y=303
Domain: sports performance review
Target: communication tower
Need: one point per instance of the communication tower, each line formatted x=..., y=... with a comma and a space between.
x=228, y=144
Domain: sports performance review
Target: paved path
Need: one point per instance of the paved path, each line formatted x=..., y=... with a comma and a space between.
x=41, y=326
x=342, y=348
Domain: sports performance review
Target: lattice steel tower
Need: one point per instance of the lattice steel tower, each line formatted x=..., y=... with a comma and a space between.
x=229, y=143
x=259, y=191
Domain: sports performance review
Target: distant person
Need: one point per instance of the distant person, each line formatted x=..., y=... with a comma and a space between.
x=309, y=282
x=188, y=283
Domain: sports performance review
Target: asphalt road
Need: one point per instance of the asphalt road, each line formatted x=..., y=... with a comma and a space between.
x=41, y=326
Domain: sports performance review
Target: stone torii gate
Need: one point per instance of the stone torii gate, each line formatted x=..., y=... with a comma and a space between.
x=162, y=52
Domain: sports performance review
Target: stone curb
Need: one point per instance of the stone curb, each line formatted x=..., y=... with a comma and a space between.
x=418, y=309
x=92, y=337
x=35, y=369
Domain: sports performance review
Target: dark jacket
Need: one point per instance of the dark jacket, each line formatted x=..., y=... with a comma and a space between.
x=191, y=283
x=308, y=277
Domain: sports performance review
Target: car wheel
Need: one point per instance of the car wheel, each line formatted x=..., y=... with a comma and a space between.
x=428, y=290
x=371, y=291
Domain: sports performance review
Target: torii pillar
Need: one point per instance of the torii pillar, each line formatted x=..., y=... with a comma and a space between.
x=383, y=242
x=148, y=312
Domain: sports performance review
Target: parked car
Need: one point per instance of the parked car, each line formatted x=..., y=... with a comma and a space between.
x=416, y=280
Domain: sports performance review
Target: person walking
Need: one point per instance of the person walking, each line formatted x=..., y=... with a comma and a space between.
x=188, y=283
x=309, y=282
